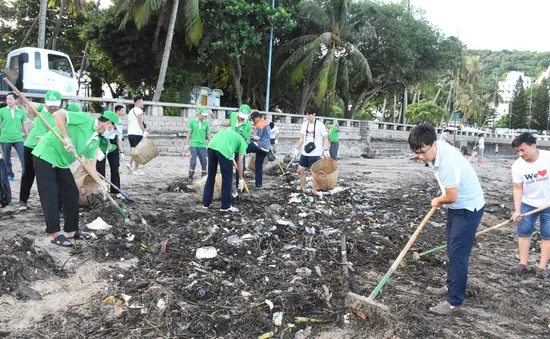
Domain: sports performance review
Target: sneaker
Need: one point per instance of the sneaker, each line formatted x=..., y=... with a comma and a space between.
x=230, y=209
x=120, y=196
x=440, y=292
x=235, y=194
x=190, y=179
x=22, y=206
x=206, y=207
x=10, y=178
x=520, y=269
x=542, y=273
x=444, y=308
x=139, y=172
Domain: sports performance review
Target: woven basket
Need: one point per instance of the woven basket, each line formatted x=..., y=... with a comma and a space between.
x=199, y=187
x=86, y=187
x=325, y=174
x=145, y=151
x=252, y=162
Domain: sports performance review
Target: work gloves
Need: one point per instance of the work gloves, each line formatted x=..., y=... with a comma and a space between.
x=69, y=145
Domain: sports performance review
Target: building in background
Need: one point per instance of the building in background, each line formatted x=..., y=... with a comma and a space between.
x=506, y=90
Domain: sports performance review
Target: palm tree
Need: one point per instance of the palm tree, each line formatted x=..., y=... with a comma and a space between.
x=42, y=23
x=323, y=59
x=74, y=7
x=141, y=11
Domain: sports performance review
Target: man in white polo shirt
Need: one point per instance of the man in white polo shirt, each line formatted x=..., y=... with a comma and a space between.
x=462, y=196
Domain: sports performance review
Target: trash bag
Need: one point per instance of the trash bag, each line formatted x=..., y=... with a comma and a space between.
x=5, y=189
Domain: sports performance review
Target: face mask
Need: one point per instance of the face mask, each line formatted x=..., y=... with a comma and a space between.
x=109, y=134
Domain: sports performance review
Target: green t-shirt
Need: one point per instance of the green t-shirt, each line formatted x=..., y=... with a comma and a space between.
x=82, y=129
x=105, y=146
x=228, y=142
x=333, y=134
x=39, y=129
x=198, y=133
x=11, y=124
x=245, y=129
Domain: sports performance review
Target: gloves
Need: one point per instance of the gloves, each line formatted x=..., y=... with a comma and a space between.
x=326, y=154
x=103, y=188
x=241, y=184
x=145, y=134
x=121, y=156
x=69, y=145
x=215, y=123
x=296, y=152
x=185, y=150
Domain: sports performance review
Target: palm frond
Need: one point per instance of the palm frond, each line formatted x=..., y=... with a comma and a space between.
x=323, y=80
x=193, y=22
x=339, y=11
x=313, y=12
x=358, y=60
x=300, y=53
x=299, y=72
x=296, y=43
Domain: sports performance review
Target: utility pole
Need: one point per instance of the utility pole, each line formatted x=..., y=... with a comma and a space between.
x=269, y=63
x=530, y=104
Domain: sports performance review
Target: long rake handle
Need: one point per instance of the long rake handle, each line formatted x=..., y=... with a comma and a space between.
x=401, y=255
x=126, y=196
x=492, y=228
x=278, y=162
x=83, y=163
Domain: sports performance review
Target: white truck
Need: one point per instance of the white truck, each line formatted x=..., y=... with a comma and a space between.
x=37, y=70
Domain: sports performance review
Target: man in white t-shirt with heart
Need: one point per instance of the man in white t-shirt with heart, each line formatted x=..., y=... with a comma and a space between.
x=313, y=144
x=530, y=173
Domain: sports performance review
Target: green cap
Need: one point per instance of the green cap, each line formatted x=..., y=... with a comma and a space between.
x=52, y=98
x=203, y=110
x=328, y=122
x=73, y=108
x=111, y=116
x=244, y=111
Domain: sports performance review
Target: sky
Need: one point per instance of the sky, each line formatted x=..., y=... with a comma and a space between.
x=487, y=24
x=521, y=25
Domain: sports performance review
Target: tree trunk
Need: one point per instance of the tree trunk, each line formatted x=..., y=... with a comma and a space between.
x=236, y=73
x=29, y=31
x=394, y=107
x=404, y=106
x=248, y=98
x=437, y=95
x=157, y=30
x=384, y=108
x=42, y=23
x=53, y=39
x=167, y=49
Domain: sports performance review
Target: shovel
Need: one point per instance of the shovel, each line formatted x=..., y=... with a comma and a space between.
x=355, y=300
x=83, y=163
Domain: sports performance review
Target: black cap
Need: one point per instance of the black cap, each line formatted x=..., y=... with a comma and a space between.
x=255, y=114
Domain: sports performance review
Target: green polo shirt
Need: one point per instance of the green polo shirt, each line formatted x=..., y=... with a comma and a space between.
x=228, y=142
x=245, y=129
x=39, y=129
x=198, y=132
x=105, y=146
x=11, y=124
x=333, y=134
x=82, y=129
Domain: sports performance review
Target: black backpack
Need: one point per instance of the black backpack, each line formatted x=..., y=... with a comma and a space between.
x=5, y=189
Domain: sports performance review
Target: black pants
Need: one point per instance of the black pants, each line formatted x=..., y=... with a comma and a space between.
x=52, y=183
x=114, y=164
x=226, y=166
x=27, y=179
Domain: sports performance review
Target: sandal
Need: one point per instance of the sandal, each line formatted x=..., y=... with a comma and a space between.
x=62, y=241
x=81, y=236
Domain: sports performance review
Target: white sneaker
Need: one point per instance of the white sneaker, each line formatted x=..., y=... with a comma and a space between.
x=120, y=196
x=139, y=172
x=230, y=209
x=206, y=207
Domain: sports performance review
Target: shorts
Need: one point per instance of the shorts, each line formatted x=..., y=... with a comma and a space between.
x=272, y=141
x=307, y=161
x=134, y=139
x=482, y=151
x=526, y=225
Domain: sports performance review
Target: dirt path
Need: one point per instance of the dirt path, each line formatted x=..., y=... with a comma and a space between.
x=176, y=295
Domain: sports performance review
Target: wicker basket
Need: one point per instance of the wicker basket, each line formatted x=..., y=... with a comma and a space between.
x=199, y=187
x=252, y=162
x=325, y=174
x=145, y=151
x=86, y=186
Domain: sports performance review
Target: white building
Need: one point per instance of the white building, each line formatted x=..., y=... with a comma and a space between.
x=544, y=75
x=506, y=89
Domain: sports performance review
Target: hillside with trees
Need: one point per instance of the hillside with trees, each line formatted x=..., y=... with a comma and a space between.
x=502, y=62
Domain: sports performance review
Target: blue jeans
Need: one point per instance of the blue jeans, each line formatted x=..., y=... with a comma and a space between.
x=197, y=152
x=461, y=231
x=259, y=163
x=6, y=154
x=334, y=146
x=226, y=169
x=526, y=225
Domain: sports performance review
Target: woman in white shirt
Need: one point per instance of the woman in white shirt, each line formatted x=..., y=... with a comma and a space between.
x=274, y=136
x=136, y=130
